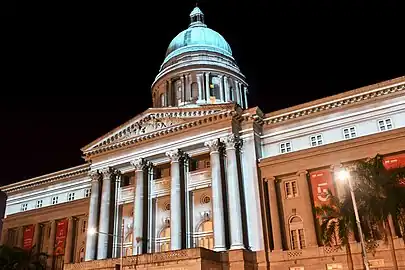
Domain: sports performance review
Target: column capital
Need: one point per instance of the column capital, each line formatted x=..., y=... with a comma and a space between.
x=174, y=155
x=109, y=173
x=271, y=178
x=302, y=172
x=139, y=163
x=95, y=176
x=231, y=141
x=213, y=145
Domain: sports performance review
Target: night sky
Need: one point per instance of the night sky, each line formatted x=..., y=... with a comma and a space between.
x=87, y=69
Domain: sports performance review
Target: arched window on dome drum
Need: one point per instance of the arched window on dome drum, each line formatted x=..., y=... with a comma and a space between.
x=231, y=95
x=194, y=91
x=163, y=242
x=297, y=237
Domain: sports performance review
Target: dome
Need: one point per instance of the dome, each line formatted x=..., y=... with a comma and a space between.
x=196, y=38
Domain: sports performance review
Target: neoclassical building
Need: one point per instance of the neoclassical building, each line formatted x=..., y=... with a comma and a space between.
x=203, y=181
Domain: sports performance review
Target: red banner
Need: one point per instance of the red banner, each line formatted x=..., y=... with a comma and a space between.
x=321, y=182
x=61, y=231
x=28, y=236
x=393, y=162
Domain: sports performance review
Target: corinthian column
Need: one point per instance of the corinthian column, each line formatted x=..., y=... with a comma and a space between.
x=137, y=228
x=234, y=206
x=104, y=223
x=175, y=206
x=307, y=214
x=274, y=215
x=217, y=199
x=91, y=239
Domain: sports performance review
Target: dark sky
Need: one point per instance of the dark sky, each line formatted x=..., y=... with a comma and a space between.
x=88, y=68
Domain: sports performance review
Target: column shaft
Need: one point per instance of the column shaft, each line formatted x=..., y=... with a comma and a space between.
x=69, y=241
x=91, y=239
x=104, y=222
x=226, y=89
x=175, y=204
x=274, y=215
x=200, y=90
x=207, y=87
x=245, y=94
x=237, y=92
x=217, y=198
x=37, y=234
x=170, y=95
x=51, y=244
x=307, y=214
x=20, y=238
x=137, y=228
x=234, y=205
x=221, y=88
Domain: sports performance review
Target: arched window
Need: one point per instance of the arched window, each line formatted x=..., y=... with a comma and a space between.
x=297, y=237
x=231, y=95
x=179, y=92
x=164, y=239
x=194, y=91
x=214, y=87
x=162, y=100
x=204, y=236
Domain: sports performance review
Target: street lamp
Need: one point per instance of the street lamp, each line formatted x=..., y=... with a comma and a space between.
x=344, y=175
x=92, y=231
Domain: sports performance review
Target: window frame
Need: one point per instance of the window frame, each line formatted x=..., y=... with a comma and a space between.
x=289, y=183
x=71, y=196
x=54, y=200
x=39, y=203
x=317, y=140
x=349, y=132
x=280, y=147
x=24, y=207
x=384, y=120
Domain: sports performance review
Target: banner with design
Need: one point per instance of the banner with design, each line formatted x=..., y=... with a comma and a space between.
x=61, y=231
x=393, y=162
x=28, y=236
x=321, y=182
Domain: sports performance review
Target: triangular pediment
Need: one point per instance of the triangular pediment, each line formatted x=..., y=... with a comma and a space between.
x=156, y=120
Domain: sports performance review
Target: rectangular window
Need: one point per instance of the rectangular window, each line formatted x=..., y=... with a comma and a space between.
x=294, y=240
x=291, y=189
x=385, y=124
x=71, y=196
x=301, y=238
x=316, y=140
x=24, y=207
x=39, y=204
x=84, y=226
x=349, y=133
x=285, y=147
x=55, y=200
x=87, y=192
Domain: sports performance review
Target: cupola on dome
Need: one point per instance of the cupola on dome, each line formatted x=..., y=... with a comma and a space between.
x=197, y=37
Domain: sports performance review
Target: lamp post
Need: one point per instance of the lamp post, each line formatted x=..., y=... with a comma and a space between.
x=92, y=231
x=344, y=175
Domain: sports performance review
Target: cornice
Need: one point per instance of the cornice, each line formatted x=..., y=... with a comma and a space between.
x=40, y=180
x=337, y=101
x=196, y=117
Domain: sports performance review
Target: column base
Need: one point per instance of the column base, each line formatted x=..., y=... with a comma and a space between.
x=237, y=246
x=219, y=249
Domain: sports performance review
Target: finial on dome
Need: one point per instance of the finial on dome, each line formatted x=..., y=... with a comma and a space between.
x=197, y=17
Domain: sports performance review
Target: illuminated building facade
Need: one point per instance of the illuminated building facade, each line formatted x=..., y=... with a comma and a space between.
x=202, y=181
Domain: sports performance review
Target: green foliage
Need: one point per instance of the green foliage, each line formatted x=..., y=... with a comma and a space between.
x=337, y=221
x=14, y=258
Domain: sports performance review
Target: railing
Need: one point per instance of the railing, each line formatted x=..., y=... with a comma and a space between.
x=162, y=244
x=199, y=177
x=203, y=239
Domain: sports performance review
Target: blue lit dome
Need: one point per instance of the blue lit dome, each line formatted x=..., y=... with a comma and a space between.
x=198, y=37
